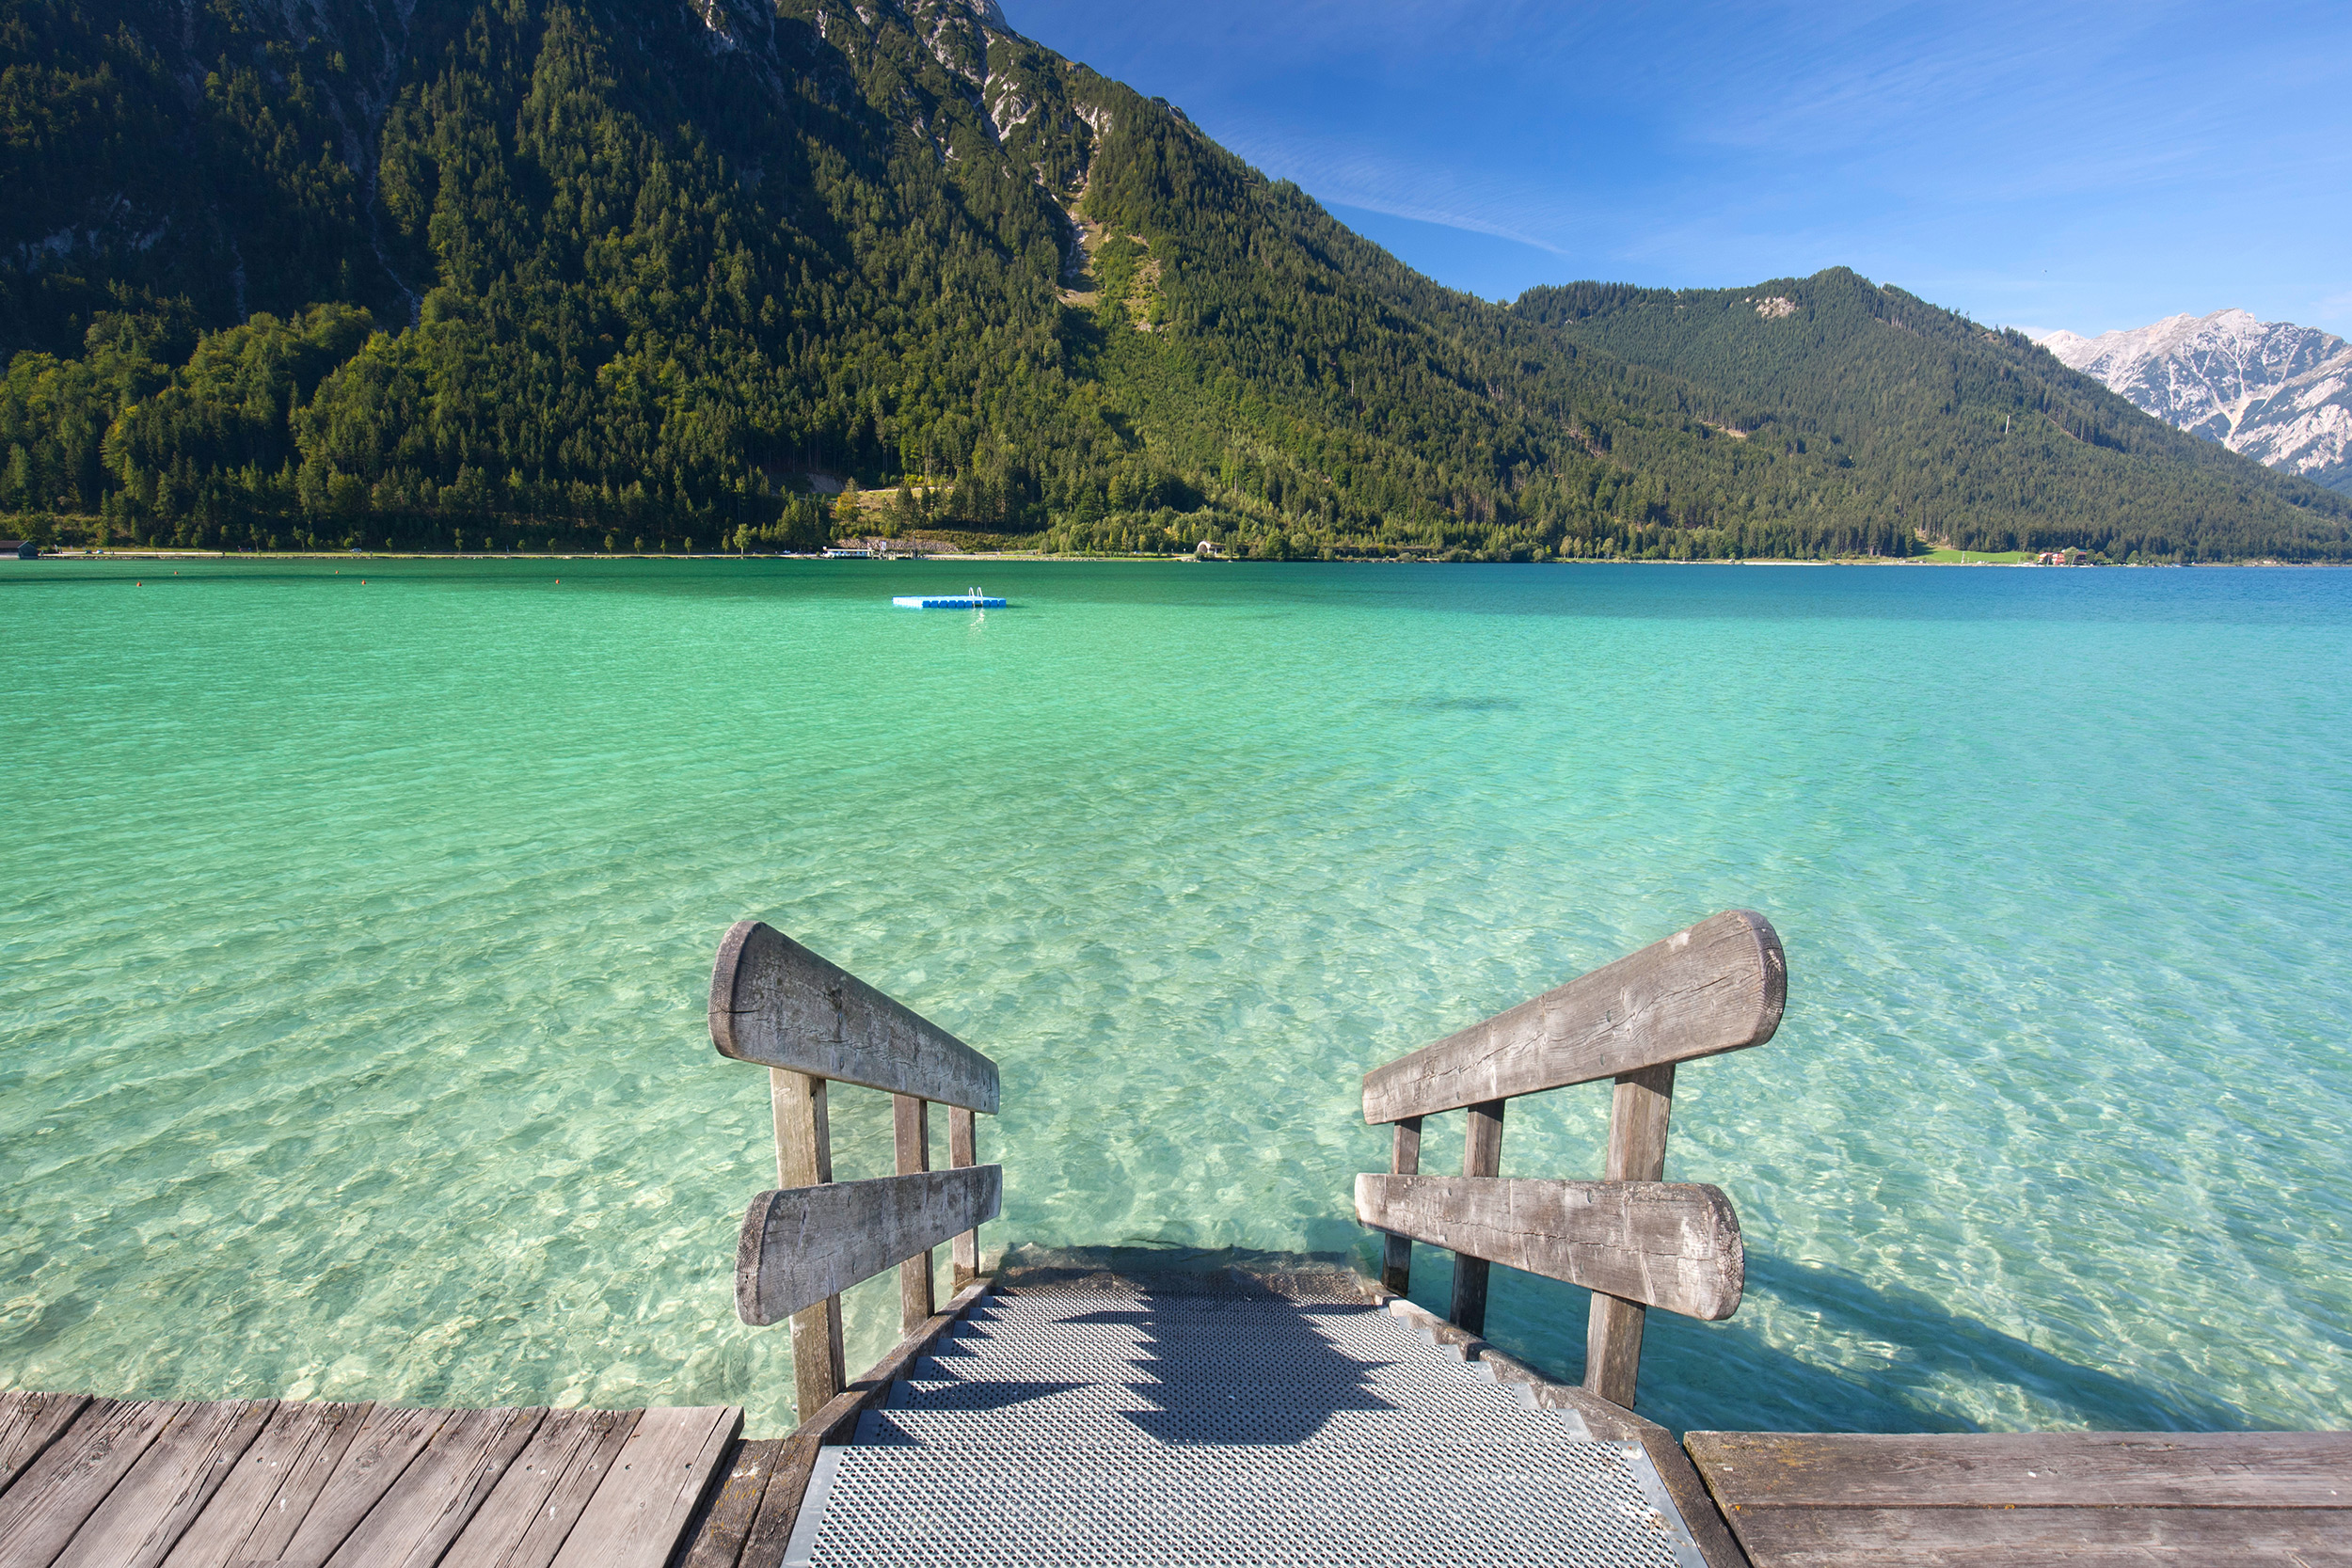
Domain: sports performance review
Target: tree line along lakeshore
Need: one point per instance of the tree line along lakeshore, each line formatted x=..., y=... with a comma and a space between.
x=500, y=275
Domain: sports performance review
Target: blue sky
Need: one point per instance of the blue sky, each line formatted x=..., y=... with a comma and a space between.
x=2040, y=165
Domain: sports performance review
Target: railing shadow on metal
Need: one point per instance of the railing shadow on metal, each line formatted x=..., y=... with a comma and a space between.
x=776, y=1004
x=1633, y=1239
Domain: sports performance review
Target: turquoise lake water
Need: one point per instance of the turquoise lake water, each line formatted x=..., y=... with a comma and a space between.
x=355, y=941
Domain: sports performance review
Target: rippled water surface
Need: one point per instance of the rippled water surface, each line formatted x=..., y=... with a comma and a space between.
x=353, y=941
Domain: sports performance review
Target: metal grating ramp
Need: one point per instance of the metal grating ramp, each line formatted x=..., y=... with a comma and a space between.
x=1229, y=1427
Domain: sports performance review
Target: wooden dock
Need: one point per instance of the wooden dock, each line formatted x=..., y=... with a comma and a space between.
x=1285, y=1419
x=1991, y=1500
x=156, y=1483
x=1162, y=1379
x=1638, y=1243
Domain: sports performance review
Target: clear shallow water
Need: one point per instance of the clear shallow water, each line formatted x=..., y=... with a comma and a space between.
x=354, y=942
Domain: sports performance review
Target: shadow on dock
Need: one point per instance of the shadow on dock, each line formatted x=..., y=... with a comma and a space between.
x=1279, y=1380
x=1729, y=1377
x=1290, y=1384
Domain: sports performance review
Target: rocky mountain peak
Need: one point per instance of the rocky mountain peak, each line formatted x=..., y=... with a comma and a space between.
x=2273, y=391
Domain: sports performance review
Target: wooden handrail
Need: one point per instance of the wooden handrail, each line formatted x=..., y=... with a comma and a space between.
x=1633, y=1240
x=1717, y=986
x=775, y=1003
x=810, y=1023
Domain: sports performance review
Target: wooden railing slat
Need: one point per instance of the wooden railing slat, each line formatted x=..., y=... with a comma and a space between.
x=801, y=1246
x=1717, y=986
x=1670, y=1244
x=775, y=1003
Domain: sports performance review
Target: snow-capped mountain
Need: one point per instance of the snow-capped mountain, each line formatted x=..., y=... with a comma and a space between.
x=2279, y=393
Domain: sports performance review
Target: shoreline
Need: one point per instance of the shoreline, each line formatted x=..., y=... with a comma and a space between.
x=79, y=553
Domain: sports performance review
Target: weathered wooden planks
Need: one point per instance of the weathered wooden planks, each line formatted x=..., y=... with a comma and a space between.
x=2043, y=1537
x=1997, y=1500
x=792, y=1462
x=1717, y=986
x=800, y=1246
x=64, y=1486
x=1670, y=1244
x=421, y=1515
x=271, y=1487
x=386, y=1443
x=2037, y=1469
x=775, y=1003
x=531, y=1511
x=717, y=1538
x=228, y=1484
x=155, y=1502
x=29, y=1422
x=637, y=1513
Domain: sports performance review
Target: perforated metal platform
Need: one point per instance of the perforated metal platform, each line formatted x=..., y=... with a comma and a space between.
x=1232, y=1426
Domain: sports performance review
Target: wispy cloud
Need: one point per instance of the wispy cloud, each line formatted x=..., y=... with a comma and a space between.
x=1423, y=190
x=2092, y=165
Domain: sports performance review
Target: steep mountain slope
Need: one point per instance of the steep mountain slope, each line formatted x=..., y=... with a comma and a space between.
x=536, y=270
x=1972, y=438
x=2279, y=393
x=543, y=271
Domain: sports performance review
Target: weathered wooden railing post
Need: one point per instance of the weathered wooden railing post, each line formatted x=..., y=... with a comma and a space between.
x=1637, y=1152
x=964, y=1254
x=804, y=1159
x=775, y=1003
x=1396, y=1259
x=911, y=1132
x=1482, y=1155
x=1633, y=1239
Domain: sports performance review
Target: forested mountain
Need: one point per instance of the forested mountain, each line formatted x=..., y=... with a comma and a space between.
x=1976, y=438
x=279, y=272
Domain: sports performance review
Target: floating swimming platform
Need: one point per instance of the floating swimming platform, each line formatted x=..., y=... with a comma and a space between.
x=971, y=598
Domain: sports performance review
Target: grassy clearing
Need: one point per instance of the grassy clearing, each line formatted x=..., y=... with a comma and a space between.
x=1976, y=558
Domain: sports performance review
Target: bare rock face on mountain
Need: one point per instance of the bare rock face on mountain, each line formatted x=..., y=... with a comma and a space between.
x=2279, y=393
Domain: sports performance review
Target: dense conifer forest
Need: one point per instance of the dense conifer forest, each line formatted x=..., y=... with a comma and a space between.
x=568, y=274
